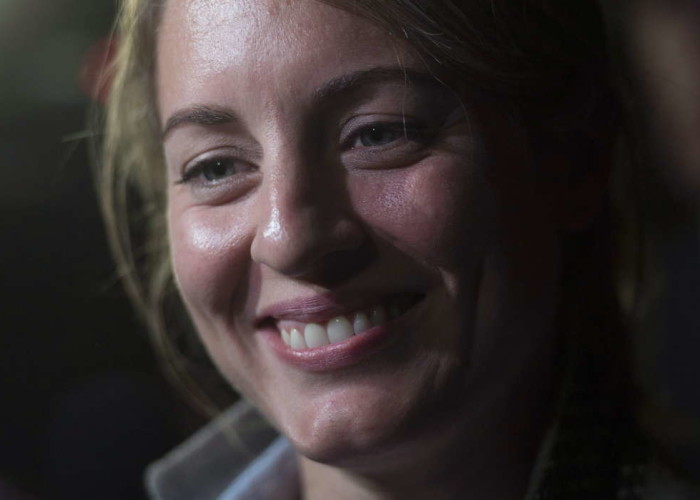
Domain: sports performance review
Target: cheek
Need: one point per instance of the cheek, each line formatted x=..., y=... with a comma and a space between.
x=209, y=251
x=429, y=211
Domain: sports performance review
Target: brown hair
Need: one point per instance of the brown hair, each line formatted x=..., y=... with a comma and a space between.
x=546, y=59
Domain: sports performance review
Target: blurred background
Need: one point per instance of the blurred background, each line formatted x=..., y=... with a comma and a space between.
x=82, y=408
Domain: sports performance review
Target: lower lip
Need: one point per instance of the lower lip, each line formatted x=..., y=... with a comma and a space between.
x=343, y=354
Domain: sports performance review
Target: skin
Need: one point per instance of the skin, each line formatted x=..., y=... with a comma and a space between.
x=457, y=405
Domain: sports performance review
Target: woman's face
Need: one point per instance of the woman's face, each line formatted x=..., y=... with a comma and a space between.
x=326, y=191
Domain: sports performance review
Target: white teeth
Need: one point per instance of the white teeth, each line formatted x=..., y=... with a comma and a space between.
x=315, y=336
x=378, y=315
x=339, y=329
x=297, y=340
x=361, y=323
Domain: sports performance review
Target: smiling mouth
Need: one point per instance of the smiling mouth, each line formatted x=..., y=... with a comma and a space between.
x=300, y=336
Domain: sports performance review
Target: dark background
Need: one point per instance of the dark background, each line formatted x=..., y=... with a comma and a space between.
x=82, y=407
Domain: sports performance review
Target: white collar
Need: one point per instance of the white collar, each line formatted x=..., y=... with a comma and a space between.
x=234, y=457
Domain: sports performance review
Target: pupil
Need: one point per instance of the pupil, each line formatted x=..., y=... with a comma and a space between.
x=219, y=169
x=376, y=134
x=215, y=171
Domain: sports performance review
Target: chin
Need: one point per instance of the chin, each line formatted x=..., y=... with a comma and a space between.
x=374, y=418
x=343, y=447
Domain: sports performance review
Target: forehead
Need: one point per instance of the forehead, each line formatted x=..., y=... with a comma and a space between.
x=210, y=47
x=216, y=30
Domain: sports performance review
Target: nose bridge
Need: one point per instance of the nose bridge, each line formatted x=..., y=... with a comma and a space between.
x=301, y=219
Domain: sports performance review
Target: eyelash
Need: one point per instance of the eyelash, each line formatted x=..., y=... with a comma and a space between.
x=410, y=131
x=198, y=170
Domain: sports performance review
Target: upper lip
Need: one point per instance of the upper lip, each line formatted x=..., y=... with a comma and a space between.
x=320, y=308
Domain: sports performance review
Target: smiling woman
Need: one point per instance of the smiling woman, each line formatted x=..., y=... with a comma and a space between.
x=375, y=213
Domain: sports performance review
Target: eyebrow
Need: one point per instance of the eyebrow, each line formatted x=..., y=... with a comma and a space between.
x=198, y=115
x=380, y=74
x=208, y=115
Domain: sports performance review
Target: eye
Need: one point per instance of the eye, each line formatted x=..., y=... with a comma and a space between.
x=219, y=178
x=216, y=170
x=386, y=144
x=378, y=135
x=382, y=134
x=211, y=171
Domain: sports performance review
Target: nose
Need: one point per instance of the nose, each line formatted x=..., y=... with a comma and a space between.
x=306, y=227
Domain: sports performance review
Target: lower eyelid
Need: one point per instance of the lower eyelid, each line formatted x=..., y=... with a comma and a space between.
x=228, y=190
